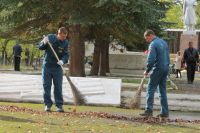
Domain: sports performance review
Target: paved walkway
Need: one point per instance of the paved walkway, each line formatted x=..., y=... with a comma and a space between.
x=184, y=87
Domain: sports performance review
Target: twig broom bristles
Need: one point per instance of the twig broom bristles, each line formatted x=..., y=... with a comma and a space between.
x=135, y=101
x=78, y=97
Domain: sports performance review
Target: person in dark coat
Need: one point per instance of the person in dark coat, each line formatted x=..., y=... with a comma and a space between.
x=191, y=59
x=17, y=50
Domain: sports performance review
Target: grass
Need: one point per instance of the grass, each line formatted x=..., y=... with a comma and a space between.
x=24, y=122
x=7, y=66
x=23, y=68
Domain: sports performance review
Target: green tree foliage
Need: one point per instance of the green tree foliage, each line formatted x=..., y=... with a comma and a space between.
x=198, y=15
x=125, y=19
x=174, y=16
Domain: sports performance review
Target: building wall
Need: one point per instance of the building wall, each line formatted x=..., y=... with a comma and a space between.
x=174, y=40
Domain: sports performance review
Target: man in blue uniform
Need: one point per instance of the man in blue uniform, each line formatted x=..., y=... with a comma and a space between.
x=17, y=50
x=158, y=63
x=51, y=70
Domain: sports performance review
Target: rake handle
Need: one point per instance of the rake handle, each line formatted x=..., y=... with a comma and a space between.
x=54, y=52
x=142, y=82
x=78, y=98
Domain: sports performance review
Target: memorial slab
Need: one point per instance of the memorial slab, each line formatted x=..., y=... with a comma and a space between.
x=19, y=87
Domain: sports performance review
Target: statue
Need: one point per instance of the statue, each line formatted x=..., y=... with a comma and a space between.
x=189, y=13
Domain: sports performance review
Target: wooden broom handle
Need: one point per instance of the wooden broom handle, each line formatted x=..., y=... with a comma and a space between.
x=52, y=49
x=142, y=81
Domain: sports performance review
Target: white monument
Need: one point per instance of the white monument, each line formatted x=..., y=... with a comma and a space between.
x=189, y=21
x=189, y=16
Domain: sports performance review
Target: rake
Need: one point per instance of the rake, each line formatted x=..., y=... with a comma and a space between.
x=78, y=97
x=135, y=101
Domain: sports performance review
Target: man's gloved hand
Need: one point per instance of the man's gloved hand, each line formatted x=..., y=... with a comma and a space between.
x=60, y=62
x=45, y=40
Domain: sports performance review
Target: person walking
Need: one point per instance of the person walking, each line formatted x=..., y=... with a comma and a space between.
x=191, y=59
x=158, y=63
x=178, y=61
x=51, y=70
x=17, y=50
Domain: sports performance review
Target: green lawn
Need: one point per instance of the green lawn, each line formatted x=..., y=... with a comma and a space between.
x=32, y=119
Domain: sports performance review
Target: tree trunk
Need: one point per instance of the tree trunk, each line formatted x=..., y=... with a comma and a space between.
x=4, y=53
x=100, y=59
x=96, y=59
x=103, y=59
x=6, y=58
x=77, y=52
x=107, y=58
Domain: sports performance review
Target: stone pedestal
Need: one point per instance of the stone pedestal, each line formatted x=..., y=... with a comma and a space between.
x=185, y=39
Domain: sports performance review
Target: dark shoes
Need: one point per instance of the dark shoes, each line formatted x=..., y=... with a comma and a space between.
x=147, y=114
x=59, y=109
x=162, y=115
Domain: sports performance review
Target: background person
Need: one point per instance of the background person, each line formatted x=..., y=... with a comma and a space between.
x=191, y=59
x=178, y=61
x=17, y=50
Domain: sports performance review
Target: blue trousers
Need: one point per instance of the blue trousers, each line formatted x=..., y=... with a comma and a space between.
x=157, y=80
x=54, y=74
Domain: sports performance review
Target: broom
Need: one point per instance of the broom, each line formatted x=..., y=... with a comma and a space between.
x=78, y=97
x=136, y=99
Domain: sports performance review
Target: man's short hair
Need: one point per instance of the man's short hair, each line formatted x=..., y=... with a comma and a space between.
x=149, y=32
x=63, y=30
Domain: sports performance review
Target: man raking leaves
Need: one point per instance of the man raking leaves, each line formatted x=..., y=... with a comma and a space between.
x=56, y=54
x=158, y=63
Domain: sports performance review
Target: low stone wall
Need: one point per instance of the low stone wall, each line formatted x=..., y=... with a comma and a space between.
x=127, y=63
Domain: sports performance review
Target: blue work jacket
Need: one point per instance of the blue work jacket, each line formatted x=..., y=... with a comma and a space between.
x=158, y=56
x=60, y=47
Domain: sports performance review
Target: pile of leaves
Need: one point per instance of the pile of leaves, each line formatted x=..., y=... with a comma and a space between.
x=90, y=114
